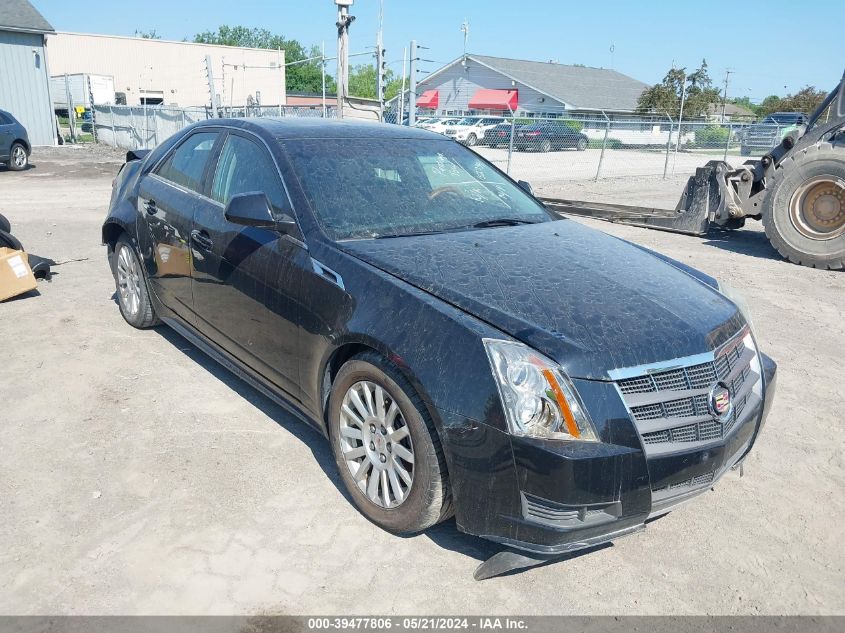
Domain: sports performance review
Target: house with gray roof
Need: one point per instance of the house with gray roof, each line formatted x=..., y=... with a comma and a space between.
x=529, y=88
x=24, y=81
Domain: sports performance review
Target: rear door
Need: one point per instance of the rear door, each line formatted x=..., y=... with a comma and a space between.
x=247, y=281
x=167, y=200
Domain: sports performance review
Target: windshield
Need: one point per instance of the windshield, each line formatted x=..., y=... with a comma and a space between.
x=783, y=119
x=368, y=188
x=468, y=121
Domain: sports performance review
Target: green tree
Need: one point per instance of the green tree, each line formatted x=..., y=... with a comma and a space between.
x=304, y=77
x=805, y=100
x=362, y=82
x=148, y=35
x=666, y=96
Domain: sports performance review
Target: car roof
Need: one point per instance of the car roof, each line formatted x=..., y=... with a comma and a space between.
x=320, y=128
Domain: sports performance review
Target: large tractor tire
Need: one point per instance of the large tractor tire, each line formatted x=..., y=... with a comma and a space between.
x=804, y=210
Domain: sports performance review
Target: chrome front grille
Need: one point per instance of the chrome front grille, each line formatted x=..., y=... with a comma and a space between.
x=669, y=402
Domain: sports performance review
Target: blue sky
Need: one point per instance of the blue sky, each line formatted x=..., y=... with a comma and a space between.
x=647, y=36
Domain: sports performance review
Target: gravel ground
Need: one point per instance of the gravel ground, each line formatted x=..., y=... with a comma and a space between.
x=136, y=476
x=548, y=169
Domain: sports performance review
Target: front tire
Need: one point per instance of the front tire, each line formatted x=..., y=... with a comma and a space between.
x=804, y=210
x=472, y=140
x=18, y=159
x=545, y=145
x=581, y=145
x=386, y=447
x=133, y=296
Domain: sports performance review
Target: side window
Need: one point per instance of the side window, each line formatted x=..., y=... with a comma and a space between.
x=4, y=120
x=186, y=164
x=244, y=166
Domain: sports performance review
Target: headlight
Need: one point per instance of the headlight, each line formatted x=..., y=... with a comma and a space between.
x=538, y=398
x=737, y=297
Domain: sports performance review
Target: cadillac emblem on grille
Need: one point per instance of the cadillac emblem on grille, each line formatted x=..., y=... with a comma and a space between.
x=720, y=400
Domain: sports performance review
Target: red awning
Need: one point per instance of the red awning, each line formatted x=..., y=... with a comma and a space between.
x=429, y=99
x=494, y=100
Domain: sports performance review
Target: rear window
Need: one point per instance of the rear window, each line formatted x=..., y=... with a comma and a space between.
x=186, y=165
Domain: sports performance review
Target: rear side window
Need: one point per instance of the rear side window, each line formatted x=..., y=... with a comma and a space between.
x=245, y=167
x=186, y=164
x=5, y=120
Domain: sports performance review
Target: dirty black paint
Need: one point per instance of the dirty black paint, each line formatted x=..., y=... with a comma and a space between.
x=283, y=306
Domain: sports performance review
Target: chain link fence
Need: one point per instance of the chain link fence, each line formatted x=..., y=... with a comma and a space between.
x=545, y=151
x=548, y=150
x=134, y=127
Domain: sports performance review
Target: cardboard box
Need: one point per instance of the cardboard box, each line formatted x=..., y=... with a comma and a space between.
x=15, y=274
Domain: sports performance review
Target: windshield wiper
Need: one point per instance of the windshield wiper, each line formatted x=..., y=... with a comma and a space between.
x=389, y=235
x=502, y=222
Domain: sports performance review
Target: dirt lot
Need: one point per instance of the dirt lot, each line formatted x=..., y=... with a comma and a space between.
x=136, y=476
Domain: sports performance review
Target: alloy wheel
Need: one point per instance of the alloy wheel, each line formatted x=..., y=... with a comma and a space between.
x=19, y=156
x=376, y=444
x=128, y=281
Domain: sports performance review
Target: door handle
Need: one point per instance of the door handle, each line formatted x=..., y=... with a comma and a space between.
x=150, y=207
x=201, y=239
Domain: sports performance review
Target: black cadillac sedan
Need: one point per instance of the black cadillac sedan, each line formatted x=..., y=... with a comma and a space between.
x=463, y=350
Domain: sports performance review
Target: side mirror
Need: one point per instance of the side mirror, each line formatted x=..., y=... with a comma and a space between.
x=526, y=186
x=253, y=209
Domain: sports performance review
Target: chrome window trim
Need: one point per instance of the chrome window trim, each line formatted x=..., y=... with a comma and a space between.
x=181, y=188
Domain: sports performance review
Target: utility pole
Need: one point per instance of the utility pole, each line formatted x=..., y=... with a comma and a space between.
x=344, y=20
x=323, y=68
x=402, y=91
x=412, y=91
x=465, y=31
x=680, y=120
x=728, y=72
x=212, y=93
x=381, y=63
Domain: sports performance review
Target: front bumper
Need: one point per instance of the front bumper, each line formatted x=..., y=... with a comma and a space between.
x=551, y=497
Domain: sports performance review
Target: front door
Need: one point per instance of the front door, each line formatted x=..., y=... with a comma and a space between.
x=168, y=197
x=247, y=281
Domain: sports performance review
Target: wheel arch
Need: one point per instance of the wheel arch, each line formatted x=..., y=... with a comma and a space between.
x=111, y=232
x=355, y=346
x=25, y=144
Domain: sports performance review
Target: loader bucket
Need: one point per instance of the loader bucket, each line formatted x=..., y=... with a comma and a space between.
x=704, y=200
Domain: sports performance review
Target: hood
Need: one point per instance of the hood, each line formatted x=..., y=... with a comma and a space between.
x=590, y=301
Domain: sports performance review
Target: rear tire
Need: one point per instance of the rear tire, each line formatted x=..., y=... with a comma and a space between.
x=472, y=140
x=582, y=144
x=18, y=158
x=133, y=295
x=427, y=499
x=804, y=211
x=545, y=145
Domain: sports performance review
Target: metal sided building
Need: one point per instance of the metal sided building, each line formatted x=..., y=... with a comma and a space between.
x=24, y=81
x=162, y=72
x=480, y=84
